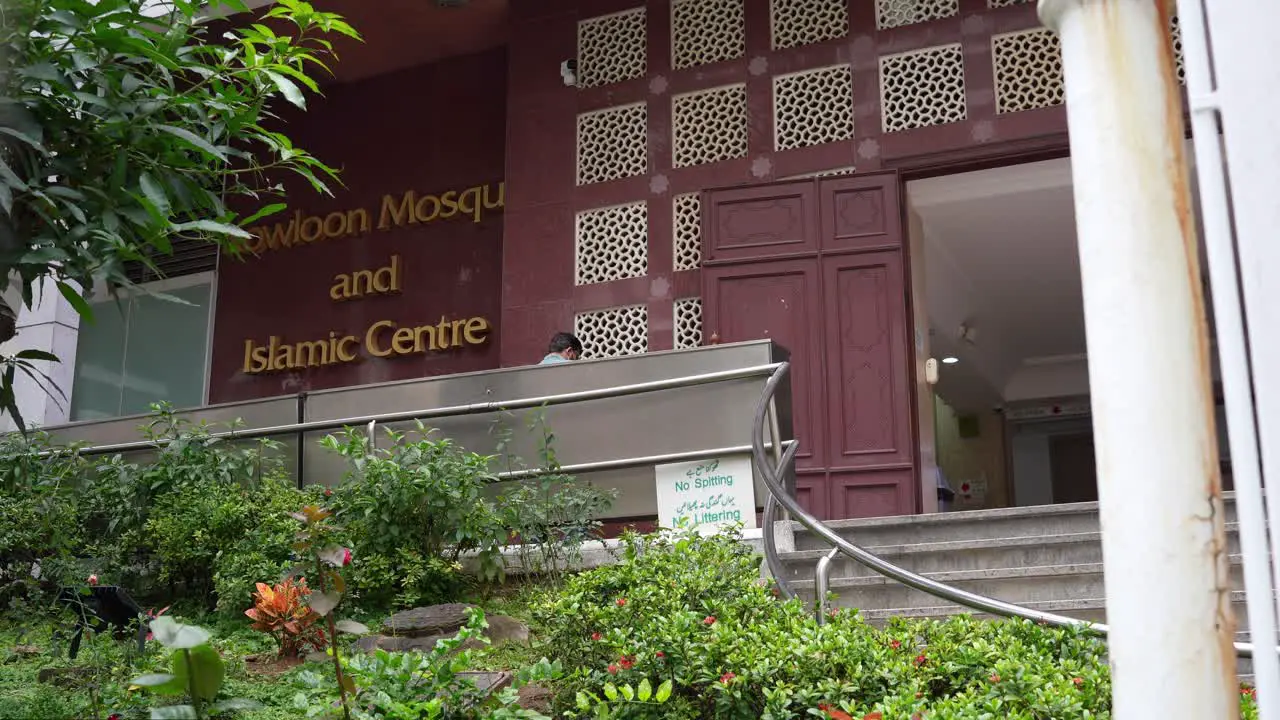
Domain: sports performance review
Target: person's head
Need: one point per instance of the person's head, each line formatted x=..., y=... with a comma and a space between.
x=565, y=345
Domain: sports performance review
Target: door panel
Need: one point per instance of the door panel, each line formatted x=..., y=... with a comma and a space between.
x=776, y=301
x=768, y=221
x=868, y=397
x=861, y=212
x=878, y=493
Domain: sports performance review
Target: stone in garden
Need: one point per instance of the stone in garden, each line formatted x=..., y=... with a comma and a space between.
x=433, y=620
x=23, y=651
x=68, y=677
x=536, y=698
x=411, y=630
x=504, y=629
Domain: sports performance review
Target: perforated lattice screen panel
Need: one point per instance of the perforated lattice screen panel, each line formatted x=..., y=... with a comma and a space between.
x=896, y=13
x=612, y=243
x=804, y=22
x=688, y=323
x=613, y=332
x=813, y=107
x=922, y=88
x=613, y=143
x=1028, y=70
x=612, y=48
x=706, y=31
x=687, y=233
x=993, y=4
x=709, y=126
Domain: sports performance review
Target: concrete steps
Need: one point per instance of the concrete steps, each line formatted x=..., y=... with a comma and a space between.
x=1044, y=558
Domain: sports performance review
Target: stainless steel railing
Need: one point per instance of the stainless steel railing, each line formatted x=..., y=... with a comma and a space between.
x=772, y=472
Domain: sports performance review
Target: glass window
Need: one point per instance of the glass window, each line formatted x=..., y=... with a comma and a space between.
x=141, y=350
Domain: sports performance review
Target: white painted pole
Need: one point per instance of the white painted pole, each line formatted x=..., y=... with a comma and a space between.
x=1247, y=61
x=1233, y=349
x=1163, y=540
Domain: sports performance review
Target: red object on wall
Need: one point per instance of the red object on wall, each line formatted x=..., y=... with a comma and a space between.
x=430, y=129
x=817, y=265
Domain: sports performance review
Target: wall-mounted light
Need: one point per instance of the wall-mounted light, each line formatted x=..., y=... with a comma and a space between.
x=950, y=360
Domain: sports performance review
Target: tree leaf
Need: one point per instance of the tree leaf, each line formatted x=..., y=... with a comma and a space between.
x=77, y=301
x=324, y=603
x=36, y=355
x=664, y=692
x=611, y=691
x=286, y=86
x=199, y=670
x=351, y=627
x=645, y=691
x=216, y=228
x=269, y=210
x=193, y=139
x=154, y=680
x=171, y=634
x=155, y=193
x=174, y=712
x=25, y=138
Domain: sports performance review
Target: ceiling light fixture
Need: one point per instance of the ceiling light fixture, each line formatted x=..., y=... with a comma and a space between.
x=950, y=360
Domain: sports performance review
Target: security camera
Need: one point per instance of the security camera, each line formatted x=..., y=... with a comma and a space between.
x=569, y=72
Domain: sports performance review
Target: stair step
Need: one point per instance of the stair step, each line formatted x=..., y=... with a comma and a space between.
x=944, y=556
x=970, y=525
x=1018, y=585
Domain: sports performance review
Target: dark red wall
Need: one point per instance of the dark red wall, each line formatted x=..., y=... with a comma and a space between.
x=542, y=198
x=430, y=129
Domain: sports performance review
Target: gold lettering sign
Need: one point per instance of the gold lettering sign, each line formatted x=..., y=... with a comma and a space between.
x=395, y=211
x=383, y=339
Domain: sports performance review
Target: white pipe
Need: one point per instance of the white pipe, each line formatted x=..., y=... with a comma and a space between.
x=1232, y=343
x=1160, y=495
x=1247, y=60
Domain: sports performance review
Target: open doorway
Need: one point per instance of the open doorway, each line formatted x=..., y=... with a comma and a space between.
x=997, y=301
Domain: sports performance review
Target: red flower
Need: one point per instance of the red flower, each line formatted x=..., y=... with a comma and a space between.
x=346, y=557
x=613, y=669
x=835, y=714
x=872, y=716
x=1248, y=691
x=833, y=612
x=710, y=620
x=660, y=654
x=621, y=602
x=328, y=492
x=93, y=579
x=921, y=660
x=995, y=677
x=113, y=716
x=727, y=678
x=595, y=637
x=625, y=662
x=776, y=592
x=1078, y=681
x=895, y=644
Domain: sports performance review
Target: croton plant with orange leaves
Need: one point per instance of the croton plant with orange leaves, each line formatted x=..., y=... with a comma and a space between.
x=282, y=611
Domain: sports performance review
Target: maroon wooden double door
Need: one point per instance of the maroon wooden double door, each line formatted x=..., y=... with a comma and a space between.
x=818, y=266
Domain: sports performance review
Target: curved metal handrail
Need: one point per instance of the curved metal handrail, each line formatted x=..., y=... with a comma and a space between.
x=770, y=474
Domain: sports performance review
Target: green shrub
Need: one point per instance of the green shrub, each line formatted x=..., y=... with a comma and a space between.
x=411, y=503
x=695, y=611
x=42, y=519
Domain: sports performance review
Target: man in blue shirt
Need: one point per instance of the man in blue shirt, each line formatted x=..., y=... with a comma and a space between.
x=562, y=348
